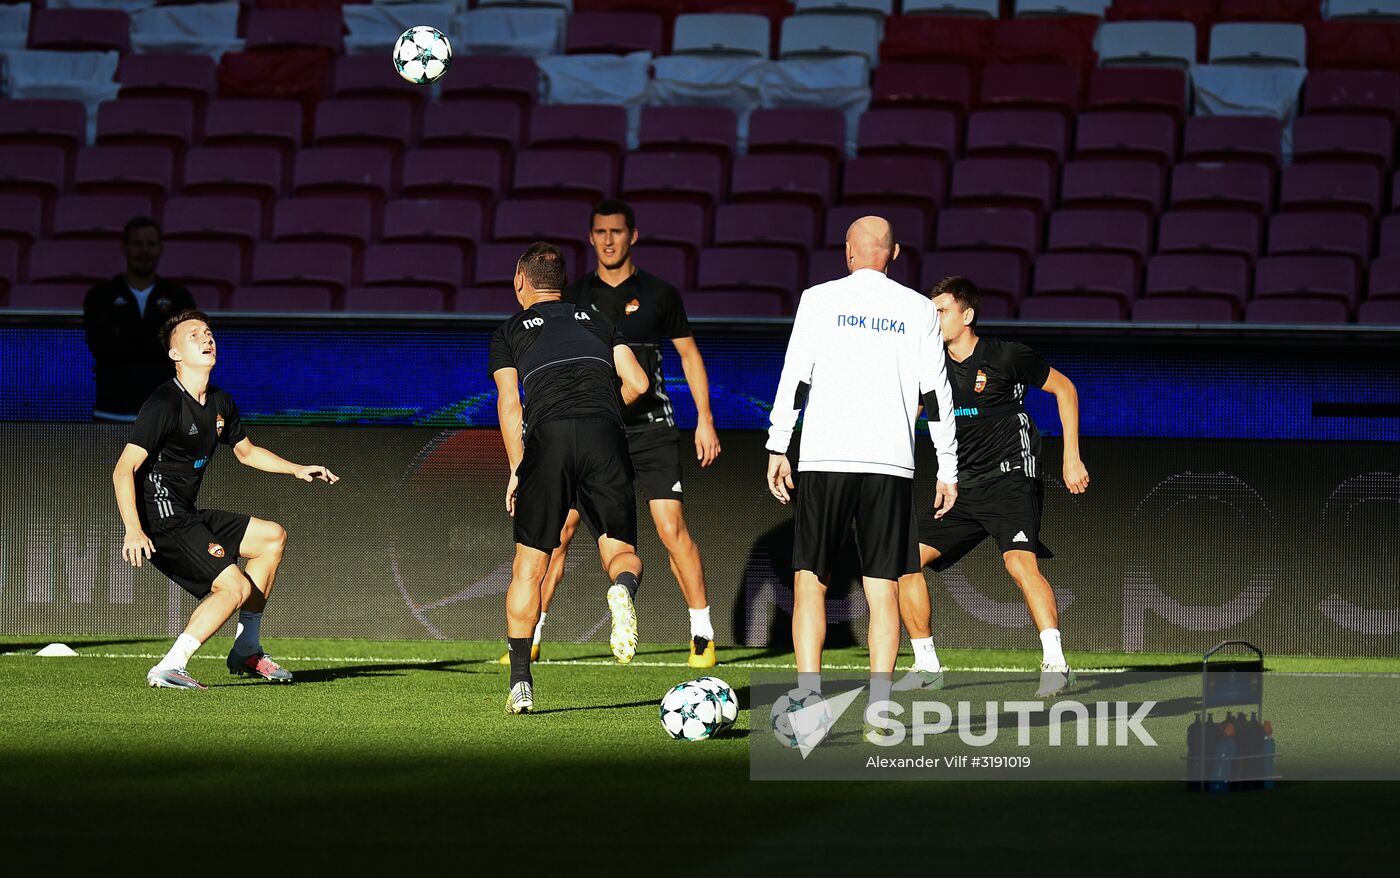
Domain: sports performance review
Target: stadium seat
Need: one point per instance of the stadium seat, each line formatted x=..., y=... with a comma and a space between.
x=1209, y=232
x=495, y=301
x=614, y=33
x=323, y=266
x=1321, y=234
x=1121, y=135
x=1303, y=310
x=453, y=174
x=905, y=84
x=14, y=26
x=911, y=227
x=367, y=77
x=513, y=79
x=1384, y=282
x=1200, y=13
x=529, y=221
x=912, y=131
x=685, y=130
x=919, y=182
x=33, y=170
x=1138, y=90
x=1352, y=92
x=235, y=220
x=1065, y=40
x=724, y=35
x=38, y=122
x=163, y=122
x=1334, y=277
x=496, y=264
x=780, y=178
x=436, y=266
x=1344, y=139
x=498, y=30
x=759, y=269
x=1018, y=134
x=1112, y=185
x=265, y=123
x=1274, y=43
x=983, y=8
x=714, y=303
x=1384, y=312
x=188, y=78
x=21, y=217
x=1216, y=186
x=124, y=170
x=827, y=36
x=798, y=131
x=1199, y=276
x=671, y=264
x=1003, y=183
x=674, y=177
x=1032, y=86
x=1331, y=187
x=428, y=221
x=946, y=39
x=830, y=264
x=343, y=172
x=235, y=172
x=80, y=30
x=578, y=127
x=1006, y=229
x=48, y=297
x=584, y=176
x=490, y=123
x=294, y=28
x=1183, y=309
x=280, y=298
x=364, y=123
x=9, y=264
x=791, y=226
x=1000, y=276
x=1256, y=139
x=1110, y=275
x=1390, y=236
x=1055, y=8
x=1101, y=231
x=1363, y=10
x=210, y=269
x=1147, y=43
x=334, y=220
x=685, y=226
x=1071, y=308
x=97, y=217
x=876, y=9
x=196, y=29
x=396, y=299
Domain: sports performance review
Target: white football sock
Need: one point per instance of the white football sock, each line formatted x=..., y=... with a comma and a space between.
x=179, y=655
x=700, y=625
x=811, y=682
x=925, y=656
x=247, y=641
x=539, y=627
x=1051, y=653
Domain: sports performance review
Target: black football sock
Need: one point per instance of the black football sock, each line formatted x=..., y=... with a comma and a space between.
x=629, y=581
x=520, y=660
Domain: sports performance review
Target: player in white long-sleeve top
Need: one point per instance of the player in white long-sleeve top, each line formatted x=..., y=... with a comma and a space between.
x=865, y=352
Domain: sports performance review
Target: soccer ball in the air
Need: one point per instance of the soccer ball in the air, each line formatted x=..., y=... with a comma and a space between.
x=724, y=696
x=690, y=713
x=788, y=704
x=422, y=55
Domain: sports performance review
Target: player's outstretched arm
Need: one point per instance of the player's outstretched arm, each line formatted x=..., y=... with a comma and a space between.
x=1067, y=399
x=135, y=544
x=634, y=377
x=510, y=416
x=693, y=365
x=260, y=458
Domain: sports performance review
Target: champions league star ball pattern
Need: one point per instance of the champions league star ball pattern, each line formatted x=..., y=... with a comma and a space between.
x=422, y=55
x=690, y=713
x=790, y=703
x=724, y=696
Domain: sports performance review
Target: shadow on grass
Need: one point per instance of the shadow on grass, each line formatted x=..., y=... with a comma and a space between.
x=626, y=706
x=328, y=675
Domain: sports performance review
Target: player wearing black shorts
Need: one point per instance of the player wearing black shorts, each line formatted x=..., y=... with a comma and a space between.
x=648, y=310
x=1000, y=491
x=566, y=447
x=169, y=453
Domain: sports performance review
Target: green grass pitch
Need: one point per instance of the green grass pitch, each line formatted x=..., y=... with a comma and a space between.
x=398, y=755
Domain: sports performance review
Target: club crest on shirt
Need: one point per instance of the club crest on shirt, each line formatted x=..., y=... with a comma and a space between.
x=219, y=425
x=162, y=304
x=216, y=550
x=631, y=307
x=981, y=383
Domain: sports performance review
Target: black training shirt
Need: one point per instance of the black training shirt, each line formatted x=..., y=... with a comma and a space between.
x=995, y=435
x=180, y=436
x=647, y=310
x=565, y=359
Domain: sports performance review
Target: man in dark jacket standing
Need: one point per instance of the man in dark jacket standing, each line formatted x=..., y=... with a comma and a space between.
x=122, y=319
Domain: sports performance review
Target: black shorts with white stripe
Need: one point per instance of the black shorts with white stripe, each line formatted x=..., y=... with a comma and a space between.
x=1006, y=507
x=193, y=548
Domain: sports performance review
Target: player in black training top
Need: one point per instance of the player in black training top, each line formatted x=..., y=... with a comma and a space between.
x=648, y=311
x=568, y=449
x=157, y=482
x=999, y=488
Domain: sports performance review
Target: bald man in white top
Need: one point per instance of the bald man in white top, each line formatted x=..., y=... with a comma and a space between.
x=865, y=352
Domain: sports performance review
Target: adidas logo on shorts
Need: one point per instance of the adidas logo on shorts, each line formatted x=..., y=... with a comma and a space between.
x=194, y=431
x=1020, y=537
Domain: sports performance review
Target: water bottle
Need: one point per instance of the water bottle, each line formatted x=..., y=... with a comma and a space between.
x=1224, y=760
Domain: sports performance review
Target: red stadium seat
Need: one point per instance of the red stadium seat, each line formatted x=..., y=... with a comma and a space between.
x=1133, y=136
x=1269, y=10
x=614, y=33
x=496, y=77
x=1065, y=40
x=210, y=269
x=1390, y=236
x=1304, y=310
x=343, y=172
x=21, y=218
x=907, y=85
x=1256, y=139
x=234, y=172
x=48, y=297
x=921, y=38
x=1000, y=276
x=1017, y=134
x=263, y=123
x=599, y=128
x=49, y=123
x=911, y=227
x=1101, y=231
x=1353, y=92
x=294, y=28
x=1331, y=187
x=1279, y=277
x=427, y=221
x=671, y=264
x=474, y=123
x=496, y=264
x=1003, y=183
x=146, y=122
x=1209, y=232
x=364, y=123
x=367, y=77
x=587, y=177
x=1385, y=312
x=323, y=266
x=1006, y=229
x=231, y=220
x=1324, y=234
x=33, y=170
x=80, y=30
x=453, y=175
x=919, y=182
x=1221, y=278
x=96, y=217
x=333, y=220
x=437, y=266
x=1160, y=91
x=678, y=225
x=1032, y=86
x=811, y=131
x=1339, y=139
x=1110, y=275
x=674, y=177
x=1183, y=309
x=912, y=131
x=830, y=264
x=705, y=130
x=713, y=303
x=1384, y=281
x=750, y=268
x=1112, y=185
x=1216, y=186
x=791, y=226
x=553, y=221
x=278, y=298
x=9, y=264
x=192, y=79
x=485, y=300
x=1071, y=308
x=781, y=178
x=396, y=299
x=124, y=170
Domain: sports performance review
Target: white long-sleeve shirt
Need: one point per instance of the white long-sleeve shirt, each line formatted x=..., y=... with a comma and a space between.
x=869, y=349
